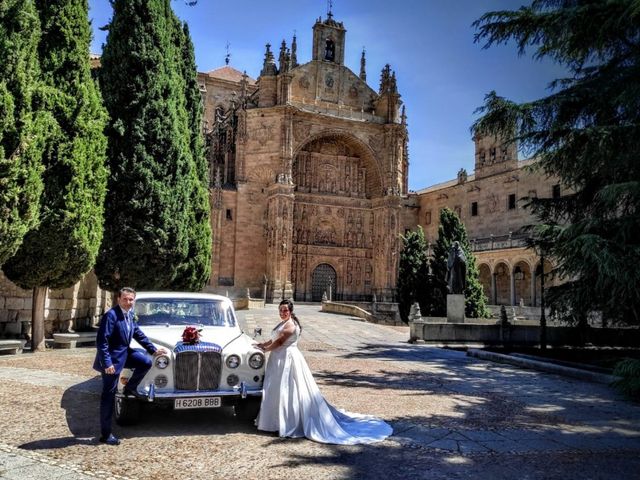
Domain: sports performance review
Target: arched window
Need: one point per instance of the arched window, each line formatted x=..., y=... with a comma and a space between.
x=330, y=50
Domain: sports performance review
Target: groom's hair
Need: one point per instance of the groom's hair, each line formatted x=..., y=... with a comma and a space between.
x=126, y=290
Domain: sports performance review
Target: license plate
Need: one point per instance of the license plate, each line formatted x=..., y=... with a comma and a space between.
x=200, y=402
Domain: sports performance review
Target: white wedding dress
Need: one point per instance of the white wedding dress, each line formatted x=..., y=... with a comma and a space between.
x=293, y=406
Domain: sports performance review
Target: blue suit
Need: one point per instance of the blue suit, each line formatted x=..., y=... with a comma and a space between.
x=112, y=343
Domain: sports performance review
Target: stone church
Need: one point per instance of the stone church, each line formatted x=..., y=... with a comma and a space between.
x=309, y=174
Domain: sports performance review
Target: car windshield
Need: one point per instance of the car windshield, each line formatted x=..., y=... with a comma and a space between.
x=181, y=311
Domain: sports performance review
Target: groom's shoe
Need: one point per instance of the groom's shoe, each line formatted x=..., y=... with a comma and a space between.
x=130, y=392
x=110, y=440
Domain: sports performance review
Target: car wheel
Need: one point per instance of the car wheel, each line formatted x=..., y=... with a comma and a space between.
x=127, y=412
x=247, y=409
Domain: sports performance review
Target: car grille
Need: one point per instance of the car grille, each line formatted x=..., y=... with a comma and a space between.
x=198, y=370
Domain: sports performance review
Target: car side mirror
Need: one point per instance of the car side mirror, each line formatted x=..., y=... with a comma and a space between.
x=257, y=332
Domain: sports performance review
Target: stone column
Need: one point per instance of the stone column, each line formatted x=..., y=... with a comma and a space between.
x=494, y=289
x=512, y=279
x=280, y=239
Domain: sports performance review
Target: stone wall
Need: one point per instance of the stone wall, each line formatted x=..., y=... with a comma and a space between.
x=455, y=334
x=493, y=214
x=78, y=307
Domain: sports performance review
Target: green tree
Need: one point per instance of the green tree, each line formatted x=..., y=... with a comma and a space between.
x=413, y=271
x=587, y=133
x=147, y=218
x=450, y=230
x=196, y=270
x=64, y=245
x=22, y=127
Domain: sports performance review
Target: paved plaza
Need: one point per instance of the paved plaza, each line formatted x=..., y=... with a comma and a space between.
x=453, y=417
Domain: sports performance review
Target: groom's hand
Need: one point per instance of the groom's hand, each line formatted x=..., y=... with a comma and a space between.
x=160, y=351
x=110, y=370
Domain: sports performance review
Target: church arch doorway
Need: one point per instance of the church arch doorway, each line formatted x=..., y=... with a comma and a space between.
x=323, y=279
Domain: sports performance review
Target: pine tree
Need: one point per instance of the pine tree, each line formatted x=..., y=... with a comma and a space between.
x=64, y=246
x=147, y=215
x=413, y=271
x=22, y=128
x=196, y=270
x=587, y=133
x=451, y=230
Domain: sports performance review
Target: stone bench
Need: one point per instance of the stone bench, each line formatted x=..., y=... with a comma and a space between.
x=71, y=340
x=10, y=346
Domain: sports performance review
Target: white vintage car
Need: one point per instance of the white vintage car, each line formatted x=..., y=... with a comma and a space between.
x=222, y=369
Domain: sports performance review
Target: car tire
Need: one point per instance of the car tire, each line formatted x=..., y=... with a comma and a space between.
x=247, y=409
x=126, y=411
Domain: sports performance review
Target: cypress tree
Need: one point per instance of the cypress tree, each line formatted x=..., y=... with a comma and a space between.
x=146, y=238
x=587, y=133
x=22, y=128
x=196, y=270
x=450, y=230
x=413, y=272
x=64, y=246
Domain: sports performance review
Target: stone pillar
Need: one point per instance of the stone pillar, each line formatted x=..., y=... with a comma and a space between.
x=494, y=289
x=512, y=279
x=280, y=238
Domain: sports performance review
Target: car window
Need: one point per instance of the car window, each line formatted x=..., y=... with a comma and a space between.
x=166, y=311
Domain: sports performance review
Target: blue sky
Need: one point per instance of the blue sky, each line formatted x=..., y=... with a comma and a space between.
x=442, y=74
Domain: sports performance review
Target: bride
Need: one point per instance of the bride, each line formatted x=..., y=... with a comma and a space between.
x=292, y=404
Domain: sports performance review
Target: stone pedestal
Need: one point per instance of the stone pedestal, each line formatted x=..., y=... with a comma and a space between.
x=455, y=308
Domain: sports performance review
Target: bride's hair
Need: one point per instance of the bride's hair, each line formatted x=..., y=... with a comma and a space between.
x=289, y=305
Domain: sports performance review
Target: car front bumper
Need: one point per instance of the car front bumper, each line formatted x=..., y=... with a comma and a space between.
x=228, y=396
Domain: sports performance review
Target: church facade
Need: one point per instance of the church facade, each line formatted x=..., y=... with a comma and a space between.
x=309, y=175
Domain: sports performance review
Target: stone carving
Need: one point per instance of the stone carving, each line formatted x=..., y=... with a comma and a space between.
x=492, y=204
x=263, y=132
x=301, y=131
x=328, y=81
x=353, y=92
x=304, y=82
x=262, y=176
x=325, y=234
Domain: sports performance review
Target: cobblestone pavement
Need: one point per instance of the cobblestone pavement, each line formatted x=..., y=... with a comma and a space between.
x=453, y=417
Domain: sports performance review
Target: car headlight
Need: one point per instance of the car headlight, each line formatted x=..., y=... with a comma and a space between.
x=160, y=381
x=233, y=361
x=162, y=362
x=256, y=360
x=233, y=380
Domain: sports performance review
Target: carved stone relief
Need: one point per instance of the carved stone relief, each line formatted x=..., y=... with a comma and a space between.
x=304, y=82
x=329, y=81
x=301, y=131
x=492, y=204
x=262, y=176
x=262, y=132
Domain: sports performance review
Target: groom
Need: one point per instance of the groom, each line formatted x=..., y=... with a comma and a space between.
x=117, y=328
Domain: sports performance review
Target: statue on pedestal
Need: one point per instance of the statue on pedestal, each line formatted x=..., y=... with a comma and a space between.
x=456, y=270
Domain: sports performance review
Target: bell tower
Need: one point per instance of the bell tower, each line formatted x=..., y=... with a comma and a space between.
x=328, y=40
